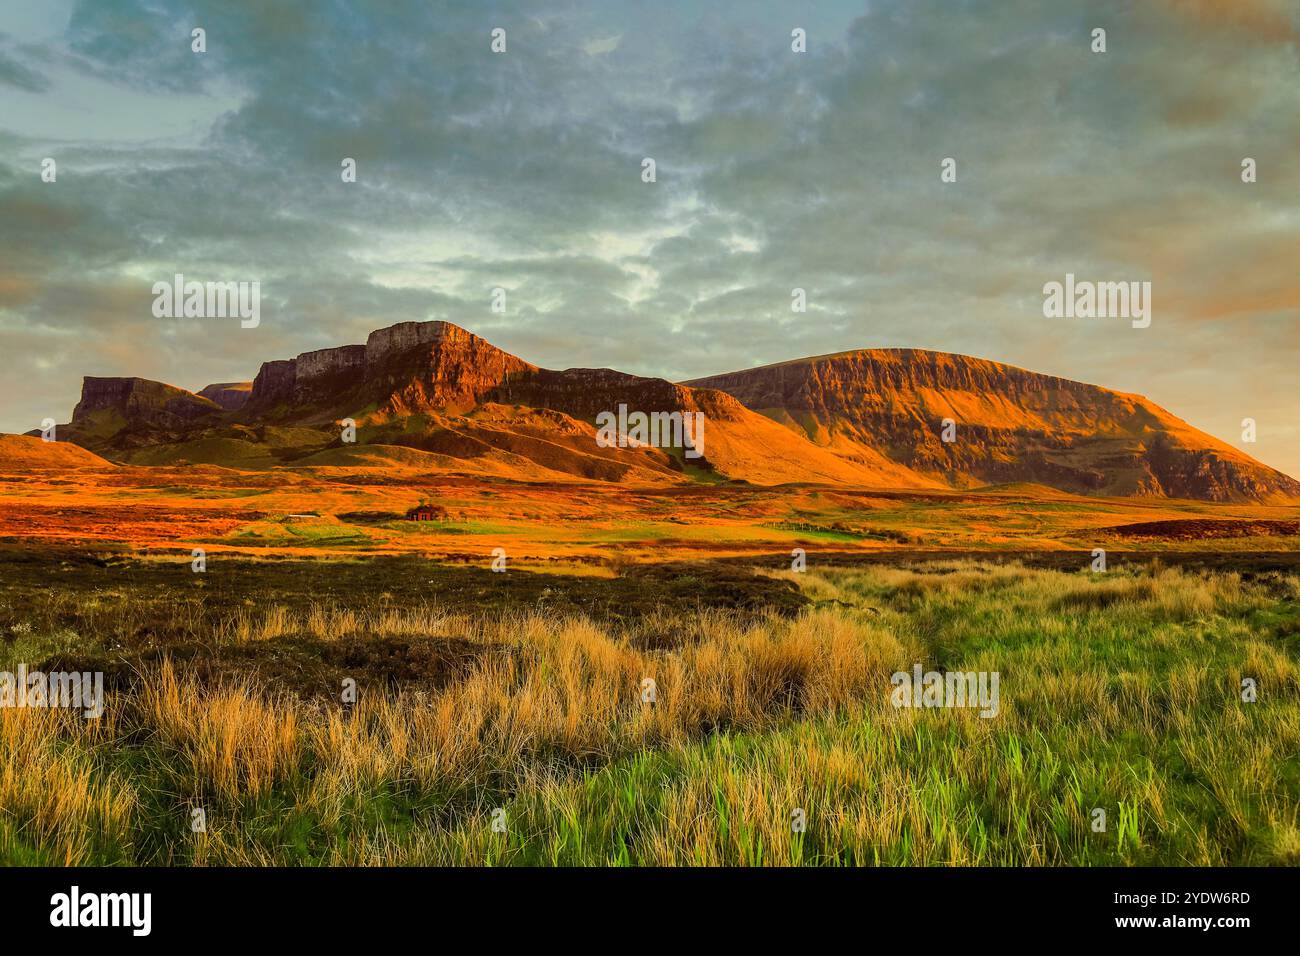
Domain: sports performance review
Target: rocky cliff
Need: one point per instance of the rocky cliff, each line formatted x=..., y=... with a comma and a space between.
x=139, y=399
x=383, y=343
x=407, y=367
x=871, y=418
x=130, y=412
x=1009, y=424
x=311, y=377
x=434, y=365
x=229, y=395
x=586, y=392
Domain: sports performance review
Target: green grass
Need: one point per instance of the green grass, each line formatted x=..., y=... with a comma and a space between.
x=1119, y=691
x=1131, y=706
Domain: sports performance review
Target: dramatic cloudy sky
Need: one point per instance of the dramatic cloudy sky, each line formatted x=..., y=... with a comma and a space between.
x=775, y=170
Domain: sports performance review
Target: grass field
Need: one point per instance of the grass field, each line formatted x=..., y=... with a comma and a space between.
x=355, y=511
x=500, y=718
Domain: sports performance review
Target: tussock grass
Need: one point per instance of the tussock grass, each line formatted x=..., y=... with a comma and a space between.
x=1119, y=691
x=60, y=805
x=232, y=743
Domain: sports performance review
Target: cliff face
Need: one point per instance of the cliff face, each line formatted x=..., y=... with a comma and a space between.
x=311, y=377
x=383, y=343
x=433, y=365
x=274, y=382
x=1010, y=425
x=443, y=372
x=229, y=395
x=322, y=362
x=586, y=392
x=871, y=418
x=412, y=366
x=139, y=399
x=737, y=443
x=130, y=412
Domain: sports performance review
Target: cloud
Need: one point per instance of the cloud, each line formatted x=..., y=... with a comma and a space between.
x=1273, y=21
x=602, y=45
x=776, y=170
x=15, y=73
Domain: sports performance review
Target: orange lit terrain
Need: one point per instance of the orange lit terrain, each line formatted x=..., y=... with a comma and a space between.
x=635, y=561
x=860, y=453
x=55, y=493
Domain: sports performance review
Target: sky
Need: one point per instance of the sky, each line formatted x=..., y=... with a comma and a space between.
x=775, y=170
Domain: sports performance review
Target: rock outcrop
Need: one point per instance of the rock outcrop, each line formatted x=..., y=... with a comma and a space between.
x=274, y=382
x=403, y=336
x=311, y=377
x=140, y=400
x=120, y=413
x=407, y=367
x=229, y=395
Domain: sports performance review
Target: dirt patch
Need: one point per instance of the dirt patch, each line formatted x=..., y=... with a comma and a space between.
x=301, y=667
x=78, y=610
x=685, y=585
x=370, y=517
x=234, y=583
x=1196, y=529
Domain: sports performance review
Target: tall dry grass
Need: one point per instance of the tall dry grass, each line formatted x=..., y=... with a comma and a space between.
x=58, y=806
x=1119, y=691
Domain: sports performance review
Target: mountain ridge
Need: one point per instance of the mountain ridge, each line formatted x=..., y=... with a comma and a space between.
x=868, y=417
x=1008, y=424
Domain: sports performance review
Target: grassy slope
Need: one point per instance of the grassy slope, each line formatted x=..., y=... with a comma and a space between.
x=1120, y=694
x=543, y=520
x=29, y=453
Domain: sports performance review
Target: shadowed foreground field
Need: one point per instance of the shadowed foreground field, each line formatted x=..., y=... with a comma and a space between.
x=1119, y=691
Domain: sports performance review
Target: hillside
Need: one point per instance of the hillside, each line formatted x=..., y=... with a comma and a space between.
x=871, y=418
x=29, y=453
x=229, y=395
x=1011, y=425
